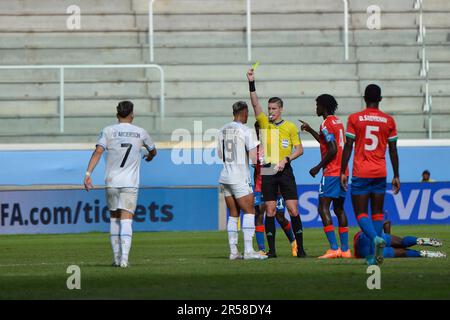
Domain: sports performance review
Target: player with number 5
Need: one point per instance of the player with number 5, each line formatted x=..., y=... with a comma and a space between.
x=331, y=139
x=372, y=131
x=123, y=142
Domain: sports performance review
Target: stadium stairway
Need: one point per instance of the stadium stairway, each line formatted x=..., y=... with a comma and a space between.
x=201, y=44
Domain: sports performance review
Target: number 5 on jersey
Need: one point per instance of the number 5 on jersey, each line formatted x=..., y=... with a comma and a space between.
x=372, y=137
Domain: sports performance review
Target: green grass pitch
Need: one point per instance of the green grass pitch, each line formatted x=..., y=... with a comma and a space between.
x=195, y=265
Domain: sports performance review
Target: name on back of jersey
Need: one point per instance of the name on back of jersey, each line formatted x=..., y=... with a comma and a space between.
x=125, y=134
x=336, y=121
x=367, y=117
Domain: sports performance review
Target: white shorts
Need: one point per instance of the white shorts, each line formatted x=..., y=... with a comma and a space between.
x=122, y=198
x=238, y=190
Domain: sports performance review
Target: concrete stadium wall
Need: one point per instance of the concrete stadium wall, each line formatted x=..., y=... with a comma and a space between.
x=201, y=45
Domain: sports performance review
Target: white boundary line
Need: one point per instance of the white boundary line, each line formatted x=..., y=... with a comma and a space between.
x=34, y=264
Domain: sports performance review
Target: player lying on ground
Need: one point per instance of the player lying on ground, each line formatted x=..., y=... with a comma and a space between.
x=236, y=146
x=260, y=209
x=396, y=247
x=331, y=139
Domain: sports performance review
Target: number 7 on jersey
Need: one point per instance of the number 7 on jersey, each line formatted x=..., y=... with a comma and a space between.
x=128, y=146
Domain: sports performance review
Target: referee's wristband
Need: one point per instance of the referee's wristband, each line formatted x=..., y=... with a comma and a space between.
x=251, y=85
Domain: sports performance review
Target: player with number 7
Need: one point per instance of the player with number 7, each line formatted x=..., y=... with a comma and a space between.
x=122, y=142
x=372, y=131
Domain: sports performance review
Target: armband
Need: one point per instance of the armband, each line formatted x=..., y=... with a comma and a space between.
x=251, y=86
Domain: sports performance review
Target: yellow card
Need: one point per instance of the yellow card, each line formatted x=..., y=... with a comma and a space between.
x=254, y=66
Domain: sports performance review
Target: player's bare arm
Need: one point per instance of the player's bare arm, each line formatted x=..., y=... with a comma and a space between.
x=307, y=128
x=387, y=227
x=253, y=97
x=346, y=154
x=151, y=153
x=395, y=166
x=96, y=156
x=329, y=156
x=261, y=151
x=298, y=151
x=219, y=151
x=253, y=155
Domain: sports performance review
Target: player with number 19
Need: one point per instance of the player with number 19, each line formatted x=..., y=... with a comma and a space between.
x=372, y=131
x=236, y=146
x=123, y=142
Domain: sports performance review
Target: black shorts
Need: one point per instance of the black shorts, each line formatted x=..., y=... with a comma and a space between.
x=283, y=180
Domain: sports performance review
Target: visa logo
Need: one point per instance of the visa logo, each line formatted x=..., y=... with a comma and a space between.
x=408, y=205
x=405, y=203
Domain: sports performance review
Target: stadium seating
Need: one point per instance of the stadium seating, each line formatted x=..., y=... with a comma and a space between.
x=201, y=44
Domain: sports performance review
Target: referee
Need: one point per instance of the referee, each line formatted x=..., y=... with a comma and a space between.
x=282, y=145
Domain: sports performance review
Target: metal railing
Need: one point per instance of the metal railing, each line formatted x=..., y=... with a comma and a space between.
x=249, y=31
x=61, y=69
x=345, y=29
x=150, y=31
x=425, y=67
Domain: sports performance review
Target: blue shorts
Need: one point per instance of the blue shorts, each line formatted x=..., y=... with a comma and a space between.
x=259, y=200
x=280, y=205
x=362, y=186
x=330, y=187
x=364, y=247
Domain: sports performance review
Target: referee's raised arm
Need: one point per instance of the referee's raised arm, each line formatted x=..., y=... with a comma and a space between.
x=253, y=97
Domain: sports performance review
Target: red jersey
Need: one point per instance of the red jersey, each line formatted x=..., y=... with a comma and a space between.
x=332, y=129
x=371, y=129
x=257, y=177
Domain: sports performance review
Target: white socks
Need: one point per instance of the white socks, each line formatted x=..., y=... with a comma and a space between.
x=232, y=228
x=248, y=228
x=126, y=233
x=114, y=231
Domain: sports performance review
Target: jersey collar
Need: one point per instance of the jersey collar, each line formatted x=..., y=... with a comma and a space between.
x=278, y=123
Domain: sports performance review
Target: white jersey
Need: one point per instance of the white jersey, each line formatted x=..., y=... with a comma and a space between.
x=235, y=141
x=123, y=143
